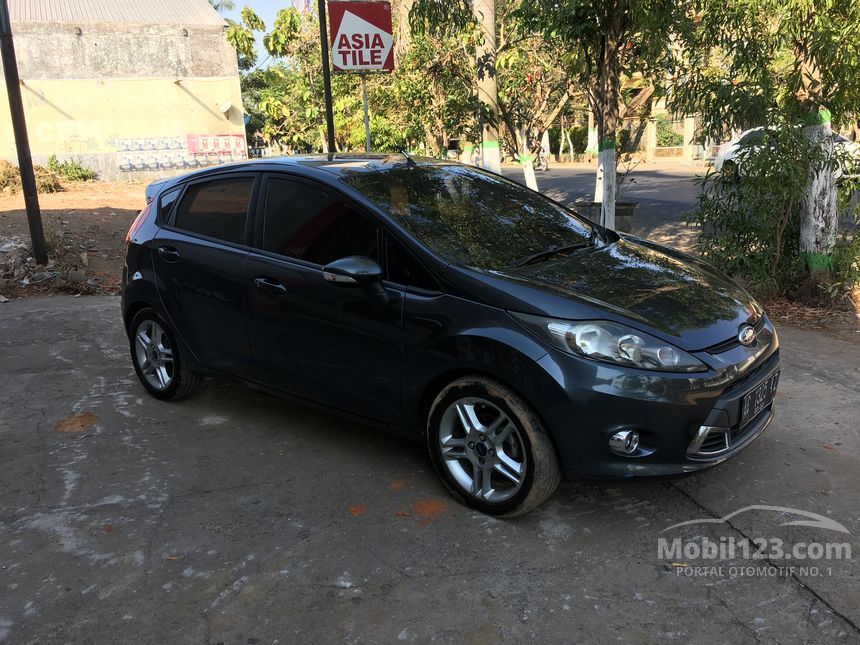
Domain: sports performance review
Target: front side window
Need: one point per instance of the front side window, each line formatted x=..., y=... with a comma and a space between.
x=468, y=216
x=216, y=208
x=313, y=223
x=404, y=269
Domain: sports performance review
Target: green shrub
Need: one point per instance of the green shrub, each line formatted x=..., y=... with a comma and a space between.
x=578, y=137
x=666, y=135
x=749, y=224
x=846, y=264
x=70, y=170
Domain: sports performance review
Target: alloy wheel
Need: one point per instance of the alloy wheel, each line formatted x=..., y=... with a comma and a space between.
x=154, y=354
x=482, y=449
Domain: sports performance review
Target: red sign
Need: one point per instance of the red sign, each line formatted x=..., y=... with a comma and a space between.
x=361, y=36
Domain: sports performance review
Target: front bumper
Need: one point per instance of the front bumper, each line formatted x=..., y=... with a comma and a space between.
x=669, y=411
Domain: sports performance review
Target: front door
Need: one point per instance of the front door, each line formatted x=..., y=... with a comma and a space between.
x=310, y=337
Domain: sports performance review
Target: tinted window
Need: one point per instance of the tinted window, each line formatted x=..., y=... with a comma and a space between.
x=403, y=268
x=468, y=216
x=165, y=203
x=312, y=223
x=216, y=208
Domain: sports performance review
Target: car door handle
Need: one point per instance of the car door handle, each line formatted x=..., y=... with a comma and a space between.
x=270, y=286
x=168, y=253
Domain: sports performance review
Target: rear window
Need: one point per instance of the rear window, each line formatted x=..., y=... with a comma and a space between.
x=217, y=208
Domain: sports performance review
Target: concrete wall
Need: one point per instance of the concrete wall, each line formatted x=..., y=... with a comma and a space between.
x=127, y=99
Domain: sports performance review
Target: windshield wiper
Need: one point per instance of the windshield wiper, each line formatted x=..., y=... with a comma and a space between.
x=553, y=250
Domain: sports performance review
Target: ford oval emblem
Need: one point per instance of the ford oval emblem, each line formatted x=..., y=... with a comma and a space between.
x=746, y=336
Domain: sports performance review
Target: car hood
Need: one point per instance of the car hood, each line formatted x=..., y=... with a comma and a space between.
x=682, y=299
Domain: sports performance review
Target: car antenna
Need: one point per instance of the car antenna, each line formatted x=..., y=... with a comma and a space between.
x=410, y=162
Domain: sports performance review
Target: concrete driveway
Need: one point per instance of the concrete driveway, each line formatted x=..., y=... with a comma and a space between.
x=234, y=517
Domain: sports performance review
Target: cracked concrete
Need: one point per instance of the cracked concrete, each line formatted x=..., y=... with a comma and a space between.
x=235, y=517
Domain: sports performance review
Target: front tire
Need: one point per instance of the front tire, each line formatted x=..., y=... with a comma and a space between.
x=158, y=360
x=490, y=448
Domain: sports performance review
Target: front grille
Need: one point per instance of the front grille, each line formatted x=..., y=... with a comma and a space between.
x=733, y=342
x=734, y=385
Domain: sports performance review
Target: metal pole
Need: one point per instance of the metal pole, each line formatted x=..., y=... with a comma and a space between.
x=366, y=117
x=329, y=114
x=22, y=142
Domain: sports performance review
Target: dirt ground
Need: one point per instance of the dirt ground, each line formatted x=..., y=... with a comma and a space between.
x=85, y=227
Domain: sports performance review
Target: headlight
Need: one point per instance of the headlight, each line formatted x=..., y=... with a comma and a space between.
x=608, y=341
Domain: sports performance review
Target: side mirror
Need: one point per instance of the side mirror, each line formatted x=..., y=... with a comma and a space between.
x=359, y=271
x=355, y=270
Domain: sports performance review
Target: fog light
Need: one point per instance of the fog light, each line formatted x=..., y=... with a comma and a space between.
x=624, y=442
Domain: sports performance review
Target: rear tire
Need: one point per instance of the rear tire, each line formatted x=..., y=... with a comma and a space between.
x=158, y=358
x=490, y=448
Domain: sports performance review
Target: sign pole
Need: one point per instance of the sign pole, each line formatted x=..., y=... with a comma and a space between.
x=22, y=141
x=366, y=117
x=329, y=112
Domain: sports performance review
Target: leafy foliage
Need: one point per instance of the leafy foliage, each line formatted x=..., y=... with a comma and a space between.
x=749, y=218
x=740, y=62
x=666, y=135
x=70, y=170
x=429, y=96
x=744, y=63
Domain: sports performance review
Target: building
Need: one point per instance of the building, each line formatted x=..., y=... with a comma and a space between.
x=126, y=87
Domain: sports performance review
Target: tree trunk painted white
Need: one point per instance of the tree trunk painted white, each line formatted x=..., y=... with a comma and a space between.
x=820, y=217
x=689, y=138
x=598, y=180
x=485, y=14
x=544, y=143
x=651, y=139
x=607, y=163
x=526, y=161
x=591, y=141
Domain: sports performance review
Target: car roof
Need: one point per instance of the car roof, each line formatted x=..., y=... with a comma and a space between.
x=336, y=164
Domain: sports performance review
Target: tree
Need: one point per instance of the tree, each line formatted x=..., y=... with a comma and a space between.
x=533, y=81
x=222, y=5
x=428, y=97
x=743, y=63
x=606, y=40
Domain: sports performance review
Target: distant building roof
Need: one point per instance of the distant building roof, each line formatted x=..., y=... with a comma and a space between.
x=137, y=12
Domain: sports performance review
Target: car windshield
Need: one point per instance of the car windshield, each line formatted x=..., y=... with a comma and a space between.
x=470, y=217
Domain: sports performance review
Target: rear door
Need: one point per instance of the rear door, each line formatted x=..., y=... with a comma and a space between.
x=199, y=257
x=310, y=337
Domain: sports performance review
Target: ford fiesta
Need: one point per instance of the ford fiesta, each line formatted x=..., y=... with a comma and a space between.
x=517, y=339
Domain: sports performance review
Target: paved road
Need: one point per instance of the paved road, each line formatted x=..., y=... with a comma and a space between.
x=234, y=517
x=665, y=195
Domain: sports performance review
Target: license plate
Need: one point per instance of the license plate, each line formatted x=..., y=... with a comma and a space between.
x=758, y=399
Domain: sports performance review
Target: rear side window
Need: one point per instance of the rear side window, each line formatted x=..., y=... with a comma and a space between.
x=216, y=209
x=310, y=222
x=166, y=202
